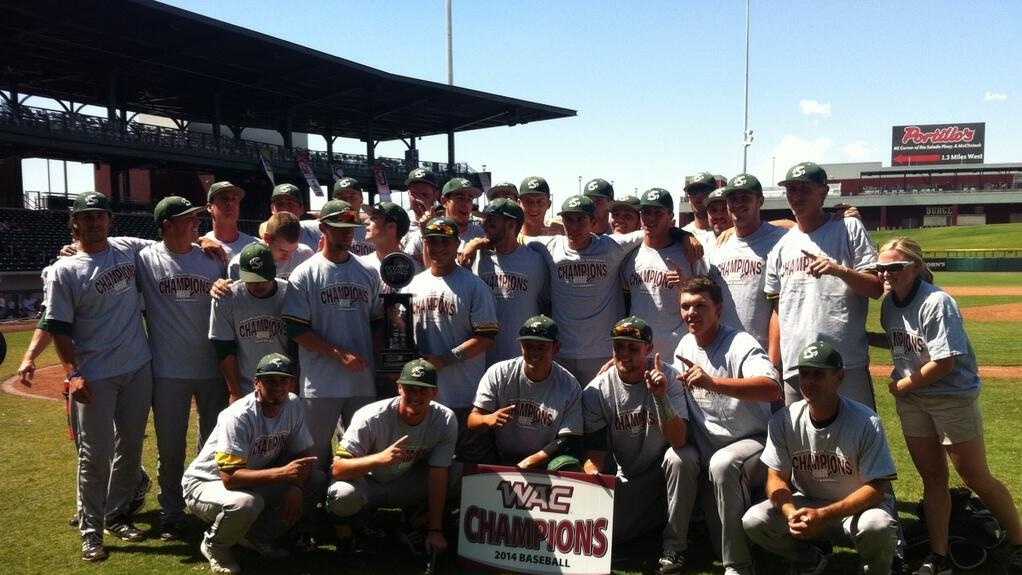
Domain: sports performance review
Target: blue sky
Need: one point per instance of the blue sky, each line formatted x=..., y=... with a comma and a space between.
x=659, y=85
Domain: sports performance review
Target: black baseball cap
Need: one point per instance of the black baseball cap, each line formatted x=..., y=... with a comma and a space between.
x=505, y=207
x=629, y=202
x=347, y=184
x=219, y=188
x=501, y=187
x=632, y=328
x=459, y=185
x=820, y=354
x=91, y=202
x=339, y=214
x=533, y=185
x=578, y=205
x=172, y=207
x=743, y=183
x=420, y=175
x=539, y=328
x=598, y=187
x=289, y=190
x=276, y=364
x=715, y=196
x=805, y=172
x=657, y=198
x=701, y=183
x=394, y=213
x=256, y=262
x=418, y=372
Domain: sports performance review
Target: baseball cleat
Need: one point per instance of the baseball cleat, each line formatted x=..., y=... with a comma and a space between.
x=92, y=548
x=125, y=531
x=220, y=557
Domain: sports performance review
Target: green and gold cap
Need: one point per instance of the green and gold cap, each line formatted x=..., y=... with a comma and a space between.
x=339, y=214
x=632, y=328
x=459, y=185
x=394, y=213
x=347, y=185
x=539, y=328
x=286, y=190
x=630, y=202
x=420, y=175
x=172, y=207
x=441, y=227
x=418, y=372
x=701, y=183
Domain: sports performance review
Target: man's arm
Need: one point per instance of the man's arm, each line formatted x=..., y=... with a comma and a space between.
x=26, y=371
x=309, y=339
x=567, y=443
x=471, y=347
x=346, y=467
x=294, y=473
x=594, y=460
x=437, y=498
x=779, y=492
x=232, y=376
x=863, y=498
x=774, y=336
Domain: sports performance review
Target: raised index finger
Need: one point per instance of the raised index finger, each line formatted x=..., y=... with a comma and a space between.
x=809, y=254
x=658, y=364
x=684, y=361
x=401, y=441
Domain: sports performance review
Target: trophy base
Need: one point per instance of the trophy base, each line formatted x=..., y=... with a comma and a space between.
x=394, y=361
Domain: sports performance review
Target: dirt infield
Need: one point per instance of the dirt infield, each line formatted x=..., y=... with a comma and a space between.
x=1002, y=312
x=14, y=326
x=48, y=384
x=883, y=372
x=983, y=290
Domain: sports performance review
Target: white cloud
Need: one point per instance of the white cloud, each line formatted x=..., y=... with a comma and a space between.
x=995, y=96
x=857, y=151
x=814, y=108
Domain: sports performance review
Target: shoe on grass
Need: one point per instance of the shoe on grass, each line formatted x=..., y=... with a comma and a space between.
x=671, y=562
x=92, y=548
x=125, y=531
x=220, y=557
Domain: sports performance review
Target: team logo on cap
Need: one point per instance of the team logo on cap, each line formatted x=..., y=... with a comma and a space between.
x=574, y=202
x=419, y=173
x=653, y=195
x=346, y=182
x=739, y=181
x=186, y=203
x=256, y=263
x=592, y=186
x=536, y=324
x=533, y=184
x=91, y=200
x=798, y=171
x=418, y=371
x=810, y=352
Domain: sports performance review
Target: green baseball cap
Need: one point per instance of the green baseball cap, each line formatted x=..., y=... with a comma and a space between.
x=715, y=196
x=418, y=372
x=257, y=263
x=564, y=463
x=701, y=183
x=289, y=190
x=339, y=214
x=743, y=183
x=221, y=187
x=459, y=185
x=821, y=355
x=441, y=227
x=420, y=175
x=598, y=187
x=91, y=202
x=505, y=207
x=805, y=172
x=657, y=198
x=632, y=328
x=533, y=185
x=539, y=328
x=578, y=205
x=630, y=202
x=276, y=364
x=172, y=207
x=347, y=185
x=394, y=213
x=502, y=187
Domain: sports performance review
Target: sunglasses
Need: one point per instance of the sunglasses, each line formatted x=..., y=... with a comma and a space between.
x=891, y=267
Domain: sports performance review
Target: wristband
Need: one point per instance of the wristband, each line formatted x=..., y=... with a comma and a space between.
x=664, y=410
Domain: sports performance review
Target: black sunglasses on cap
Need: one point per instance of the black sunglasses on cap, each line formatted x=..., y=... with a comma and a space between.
x=891, y=267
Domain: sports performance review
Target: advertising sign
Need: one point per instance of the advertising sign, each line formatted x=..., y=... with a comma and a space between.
x=382, y=187
x=921, y=144
x=302, y=158
x=536, y=522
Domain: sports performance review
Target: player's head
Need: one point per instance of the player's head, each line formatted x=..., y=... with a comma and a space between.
x=91, y=216
x=578, y=213
x=287, y=198
x=820, y=371
x=624, y=215
x=806, y=188
x=422, y=188
x=274, y=378
x=696, y=190
x=440, y=242
x=417, y=386
x=700, y=300
x=502, y=219
x=633, y=340
x=716, y=212
x=349, y=190
x=744, y=198
x=223, y=200
x=656, y=210
x=459, y=196
x=257, y=269
x=534, y=195
x=538, y=338
x=900, y=263
x=337, y=221
x=281, y=233
x=388, y=223
x=601, y=192
x=503, y=190
x=177, y=219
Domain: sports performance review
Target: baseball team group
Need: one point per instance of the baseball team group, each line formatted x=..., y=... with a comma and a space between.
x=724, y=364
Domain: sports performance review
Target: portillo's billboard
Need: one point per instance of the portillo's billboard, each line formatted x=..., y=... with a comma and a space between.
x=536, y=522
x=920, y=144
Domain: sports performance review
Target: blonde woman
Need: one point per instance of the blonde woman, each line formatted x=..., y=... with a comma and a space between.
x=936, y=388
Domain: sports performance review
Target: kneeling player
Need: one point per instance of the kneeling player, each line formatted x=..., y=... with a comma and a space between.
x=256, y=475
x=532, y=403
x=829, y=474
x=640, y=416
x=397, y=454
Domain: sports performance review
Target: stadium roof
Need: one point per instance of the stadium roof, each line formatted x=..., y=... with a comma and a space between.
x=943, y=169
x=162, y=60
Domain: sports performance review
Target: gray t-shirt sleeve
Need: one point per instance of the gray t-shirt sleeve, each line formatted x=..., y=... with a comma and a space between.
x=221, y=319
x=775, y=453
x=486, y=395
x=484, y=310
x=235, y=436
x=772, y=277
x=296, y=302
x=592, y=409
x=59, y=298
x=676, y=393
x=942, y=328
x=443, y=452
x=862, y=250
x=756, y=363
x=875, y=460
x=358, y=437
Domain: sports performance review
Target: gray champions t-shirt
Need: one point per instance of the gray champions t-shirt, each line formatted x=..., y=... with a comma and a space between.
x=284, y=269
x=824, y=309
x=412, y=244
x=630, y=418
x=177, y=303
x=644, y=275
x=253, y=323
x=310, y=234
x=718, y=419
x=97, y=294
x=544, y=410
x=927, y=328
x=585, y=291
x=377, y=426
x=233, y=248
x=338, y=301
x=246, y=439
x=447, y=311
x=740, y=265
x=831, y=462
x=520, y=283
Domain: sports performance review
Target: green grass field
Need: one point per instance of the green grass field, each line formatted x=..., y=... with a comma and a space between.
x=36, y=486
x=993, y=236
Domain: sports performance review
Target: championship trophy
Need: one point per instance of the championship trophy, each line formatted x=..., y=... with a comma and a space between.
x=397, y=270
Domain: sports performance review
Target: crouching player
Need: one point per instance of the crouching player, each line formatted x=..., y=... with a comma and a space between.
x=638, y=413
x=256, y=476
x=828, y=476
x=396, y=453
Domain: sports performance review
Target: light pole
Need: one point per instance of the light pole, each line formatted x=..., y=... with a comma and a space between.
x=747, y=133
x=580, y=185
x=450, y=45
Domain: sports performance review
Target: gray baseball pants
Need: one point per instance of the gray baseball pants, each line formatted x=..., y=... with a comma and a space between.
x=326, y=416
x=409, y=491
x=172, y=404
x=733, y=474
x=584, y=369
x=252, y=513
x=857, y=385
x=873, y=533
x=640, y=502
x=111, y=429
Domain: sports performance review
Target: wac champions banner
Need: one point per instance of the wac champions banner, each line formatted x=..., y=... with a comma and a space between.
x=938, y=144
x=536, y=522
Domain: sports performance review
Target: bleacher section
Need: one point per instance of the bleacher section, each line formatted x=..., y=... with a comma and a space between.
x=30, y=239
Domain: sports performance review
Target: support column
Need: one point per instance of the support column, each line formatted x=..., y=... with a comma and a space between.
x=216, y=119
x=883, y=217
x=450, y=152
x=370, y=162
x=954, y=215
